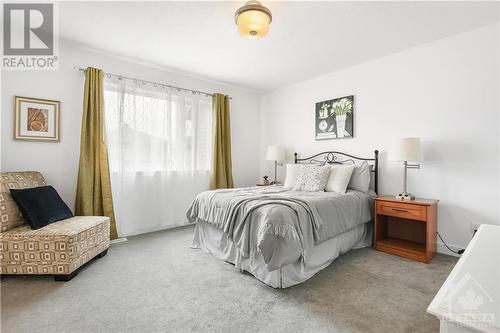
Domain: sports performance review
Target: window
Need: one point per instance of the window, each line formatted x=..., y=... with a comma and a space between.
x=156, y=129
x=159, y=147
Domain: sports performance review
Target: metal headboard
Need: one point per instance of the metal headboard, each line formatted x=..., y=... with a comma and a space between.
x=337, y=157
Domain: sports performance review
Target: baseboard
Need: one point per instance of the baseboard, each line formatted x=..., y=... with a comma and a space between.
x=441, y=248
x=148, y=231
x=118, y=240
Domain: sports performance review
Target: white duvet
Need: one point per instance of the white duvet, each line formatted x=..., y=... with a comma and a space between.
x=282, y=224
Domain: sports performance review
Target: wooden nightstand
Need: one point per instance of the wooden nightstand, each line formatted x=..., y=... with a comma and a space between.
x=406, y=228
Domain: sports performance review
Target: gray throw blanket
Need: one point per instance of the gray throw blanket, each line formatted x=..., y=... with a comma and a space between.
x=275, y=221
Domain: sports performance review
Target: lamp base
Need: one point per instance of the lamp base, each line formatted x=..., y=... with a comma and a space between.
x=405, y=196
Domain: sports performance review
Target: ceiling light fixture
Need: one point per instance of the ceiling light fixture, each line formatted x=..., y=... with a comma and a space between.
x=253, y=20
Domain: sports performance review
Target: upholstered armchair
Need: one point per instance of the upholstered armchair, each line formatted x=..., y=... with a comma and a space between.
x=58, y=249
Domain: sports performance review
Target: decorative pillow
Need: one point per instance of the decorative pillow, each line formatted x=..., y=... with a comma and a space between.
x=40, y=206
x=312, y=178
x=360, y=178
x=339, y=178
x=291, y=175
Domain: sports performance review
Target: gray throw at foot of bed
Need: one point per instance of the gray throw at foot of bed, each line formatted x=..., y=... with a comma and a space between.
x=282, y=225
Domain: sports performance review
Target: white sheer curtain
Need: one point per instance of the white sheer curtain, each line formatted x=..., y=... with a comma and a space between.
x=159, y=142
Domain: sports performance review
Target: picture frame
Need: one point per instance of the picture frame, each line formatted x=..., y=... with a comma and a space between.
x=334, y=118
x=36, y=119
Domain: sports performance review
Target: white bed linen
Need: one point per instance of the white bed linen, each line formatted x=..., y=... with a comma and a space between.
x=279, y=223
x=211, y=239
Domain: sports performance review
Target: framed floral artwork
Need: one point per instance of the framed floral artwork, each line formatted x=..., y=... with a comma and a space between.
x=334, y=118
x=36, y=119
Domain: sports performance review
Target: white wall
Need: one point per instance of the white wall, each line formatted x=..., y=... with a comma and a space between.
x=445, y=92
x=58, y=162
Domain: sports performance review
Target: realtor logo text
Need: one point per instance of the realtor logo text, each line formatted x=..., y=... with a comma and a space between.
x=28, y=36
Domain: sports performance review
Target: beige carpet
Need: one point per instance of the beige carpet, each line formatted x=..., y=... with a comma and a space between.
x=156, y=283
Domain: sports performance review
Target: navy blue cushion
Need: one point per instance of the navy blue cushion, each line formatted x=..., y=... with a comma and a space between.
x=40, y=206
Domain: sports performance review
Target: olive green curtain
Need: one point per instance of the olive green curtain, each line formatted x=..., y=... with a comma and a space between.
x=221, y=174
x=93, y=193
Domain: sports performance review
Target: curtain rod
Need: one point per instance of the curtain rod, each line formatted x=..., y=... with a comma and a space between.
x=121, y=77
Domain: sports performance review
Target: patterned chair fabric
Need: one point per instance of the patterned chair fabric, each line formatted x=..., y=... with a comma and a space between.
x=59, y=248
x=11, y=217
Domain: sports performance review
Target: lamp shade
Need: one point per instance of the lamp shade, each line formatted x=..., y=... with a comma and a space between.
x=275, y=153
x=406, y=149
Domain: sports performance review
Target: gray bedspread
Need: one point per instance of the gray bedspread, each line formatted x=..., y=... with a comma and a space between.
x=280, y=223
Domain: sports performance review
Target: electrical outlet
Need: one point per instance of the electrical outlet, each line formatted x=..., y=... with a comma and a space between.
x=473, y=227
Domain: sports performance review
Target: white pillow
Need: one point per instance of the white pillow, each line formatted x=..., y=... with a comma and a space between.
x=291, y=175
x=339, y=178
x=312, y=178
x=360, y=179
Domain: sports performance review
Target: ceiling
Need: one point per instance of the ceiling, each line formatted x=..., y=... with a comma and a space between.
x=306, y=39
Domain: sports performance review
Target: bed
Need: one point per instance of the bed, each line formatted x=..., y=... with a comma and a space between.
x=280, y=235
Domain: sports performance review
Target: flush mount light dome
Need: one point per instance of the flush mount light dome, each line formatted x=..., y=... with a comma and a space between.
x=253, y=20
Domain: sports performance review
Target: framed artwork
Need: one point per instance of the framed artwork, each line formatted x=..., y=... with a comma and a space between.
x=334, y=118
x=36, y=119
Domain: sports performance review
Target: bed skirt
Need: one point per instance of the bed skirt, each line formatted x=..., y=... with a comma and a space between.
x=211, y=239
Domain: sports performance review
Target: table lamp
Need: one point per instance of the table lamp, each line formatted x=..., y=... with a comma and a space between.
x=406, y=150
x=275, y=153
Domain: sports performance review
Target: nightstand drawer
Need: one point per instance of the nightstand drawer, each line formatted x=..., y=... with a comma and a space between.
x=407, y=211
